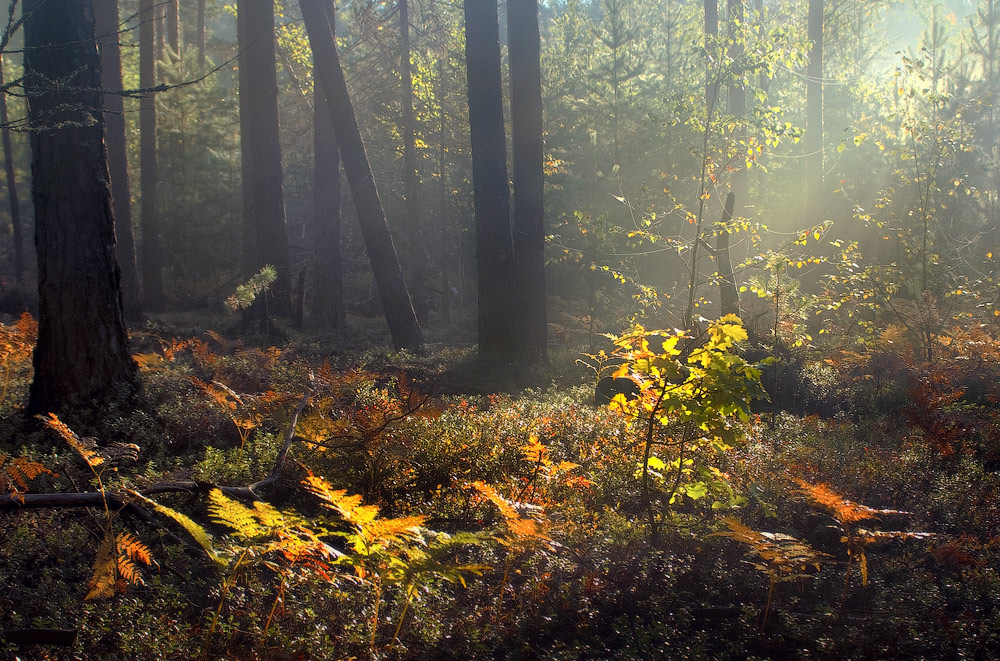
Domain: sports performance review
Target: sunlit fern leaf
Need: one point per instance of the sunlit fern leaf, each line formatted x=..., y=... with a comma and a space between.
x=234, y=515
x=133, y=549
x=198, y=533
x=85, y=447
x=842, y=509
x=783, y=557
x=17, y=473
x=522, y=530
x=104, y=578
x=381, y=533
x=349, y=507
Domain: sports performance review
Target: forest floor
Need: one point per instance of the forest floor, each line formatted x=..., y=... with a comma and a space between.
x=423, y=507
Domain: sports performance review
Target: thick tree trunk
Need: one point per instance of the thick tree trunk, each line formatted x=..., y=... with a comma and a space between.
x=200, y=31
x=12, y=197
x=418, y=255
x=814, y=115
x=174, y=25
x=152, y=270
x=399, y=313
x=265, y=217
x=528, y=222
x=328, y=303
x=82, y=351
x=729, y=296
x=106, y=16
x=491, y=196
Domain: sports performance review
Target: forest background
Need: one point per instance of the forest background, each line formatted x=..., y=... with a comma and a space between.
x=802, y=195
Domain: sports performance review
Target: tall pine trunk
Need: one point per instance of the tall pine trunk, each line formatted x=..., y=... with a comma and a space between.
x=528, y=223
x=814, y=115
x=152, y=269
x=491, y=196
x=264, y=200
x=12, y=197
x=328, y=302
x=200, y=31
x=83, y=350
x=407, y=124
x=106, y=16
x=396, y=303
x=174, y=25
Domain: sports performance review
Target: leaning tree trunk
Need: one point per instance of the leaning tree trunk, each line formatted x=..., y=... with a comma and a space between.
x=12, y=198
x=152, y=269
x=814, y=115
x=328, y=302
x=491, y=196
x=106, y=15
x=265, y=217
x=83, y=350
x=399, y=313
x=528, y=221
x=418, y=255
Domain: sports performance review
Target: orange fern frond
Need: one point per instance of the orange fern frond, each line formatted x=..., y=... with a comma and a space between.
x=842, y=509
x=85, y=447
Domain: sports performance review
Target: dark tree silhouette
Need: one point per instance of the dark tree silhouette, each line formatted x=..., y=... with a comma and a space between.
x=396, y=303
x=152, y=270
x=106, y=17
x=528, y=222
x=12, y=197
x=491, y=196
x=328, y=302
x=264, y=199
x=83, y=350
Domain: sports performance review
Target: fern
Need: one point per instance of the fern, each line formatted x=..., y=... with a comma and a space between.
x=17, y=473
x=197, y=532
x=239, y=518
x=780, y=557
x=85, y=447
x=116, y=565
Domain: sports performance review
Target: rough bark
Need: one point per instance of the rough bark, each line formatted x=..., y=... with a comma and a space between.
x=106, y=16
x=399, y=313
x=418, y=255
x=265, y=217
x=152, y=269
x=528, y=222
x=328, y=302
x=814, y=115
x=491, y=196
x=82, y=351
x=12, y=197
x=729, y=296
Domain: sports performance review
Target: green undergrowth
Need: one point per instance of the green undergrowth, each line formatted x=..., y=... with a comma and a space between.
x=456, y=523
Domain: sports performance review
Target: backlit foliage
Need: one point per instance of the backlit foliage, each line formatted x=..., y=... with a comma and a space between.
x=17, y=473
x=117, y=565
x=693, y=394
x=17, y=341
